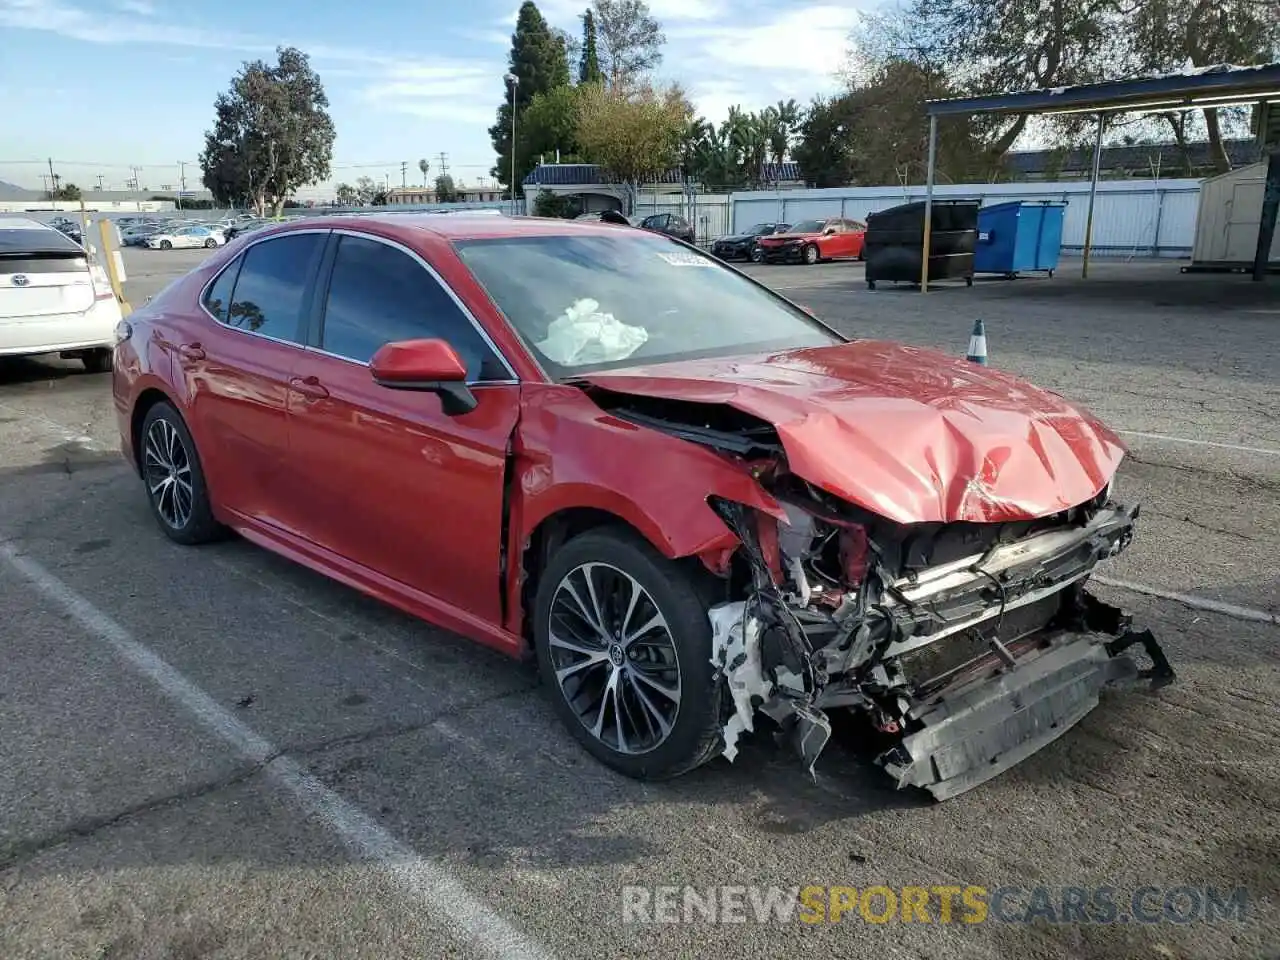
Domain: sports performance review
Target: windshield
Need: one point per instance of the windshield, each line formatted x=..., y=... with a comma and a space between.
x=590, y=302
x=808, y=226
x=759, y=229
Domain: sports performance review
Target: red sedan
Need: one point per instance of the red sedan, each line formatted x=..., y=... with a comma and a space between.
x=693, y=502
x=811, y=241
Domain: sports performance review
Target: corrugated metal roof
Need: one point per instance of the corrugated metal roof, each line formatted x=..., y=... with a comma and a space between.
x=1138, y=158
x=1136, y=93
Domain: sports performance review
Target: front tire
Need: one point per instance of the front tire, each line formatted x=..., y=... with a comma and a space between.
x=756, y=256
x=624, y=644
x=810, y=255
x=174, y=479
x=210, y=243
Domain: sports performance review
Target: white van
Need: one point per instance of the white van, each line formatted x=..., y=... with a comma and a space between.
x=53, y=297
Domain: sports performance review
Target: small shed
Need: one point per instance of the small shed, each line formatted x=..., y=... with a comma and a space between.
x=1227, y=225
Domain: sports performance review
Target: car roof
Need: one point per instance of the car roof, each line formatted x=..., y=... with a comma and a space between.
x=462, y=226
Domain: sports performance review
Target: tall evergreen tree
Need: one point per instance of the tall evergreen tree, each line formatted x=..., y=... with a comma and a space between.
x=538, y=60
x=589, y=66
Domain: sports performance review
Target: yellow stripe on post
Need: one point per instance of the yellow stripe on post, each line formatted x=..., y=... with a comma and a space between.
x=109, y=260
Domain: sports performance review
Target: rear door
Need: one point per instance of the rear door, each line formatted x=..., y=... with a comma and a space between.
x=385, y=477
x=236, y=363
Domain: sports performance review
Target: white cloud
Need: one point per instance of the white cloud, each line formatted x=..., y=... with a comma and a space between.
x=811, y=41
x=460, y=91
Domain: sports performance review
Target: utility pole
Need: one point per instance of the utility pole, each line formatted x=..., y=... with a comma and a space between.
x=53, y=178
x=137, y=185
x=404, y=176
x=443, y=160
x=99, y=181
x=182, y=181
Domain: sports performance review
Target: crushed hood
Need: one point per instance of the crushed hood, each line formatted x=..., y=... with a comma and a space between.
x=911, y=434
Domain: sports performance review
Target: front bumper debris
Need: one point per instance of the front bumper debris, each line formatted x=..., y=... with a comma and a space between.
x=971, y=734
x=963, y=669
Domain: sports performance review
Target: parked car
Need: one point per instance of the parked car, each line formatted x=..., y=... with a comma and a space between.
x=136, y=235
x=190, y=236
x=742, y=246
x=832, y=238
x=672, y=224
x=54, y=298
x=69, y=228
x=675, y=488
x=242, y=226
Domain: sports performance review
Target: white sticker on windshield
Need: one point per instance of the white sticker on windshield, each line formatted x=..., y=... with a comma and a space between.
x=682, y=259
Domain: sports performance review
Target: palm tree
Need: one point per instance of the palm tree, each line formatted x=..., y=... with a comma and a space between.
x=782, y=121
x=424, y=167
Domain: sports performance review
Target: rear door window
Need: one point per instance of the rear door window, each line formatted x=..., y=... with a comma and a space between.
x=270, y=291
x=217, y=299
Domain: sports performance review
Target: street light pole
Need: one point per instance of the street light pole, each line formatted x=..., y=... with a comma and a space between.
x=513, y=81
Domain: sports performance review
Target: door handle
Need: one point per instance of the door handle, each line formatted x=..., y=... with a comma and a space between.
x=309, y=387
x=191, y=351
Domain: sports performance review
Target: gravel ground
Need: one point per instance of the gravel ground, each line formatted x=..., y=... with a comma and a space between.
x=410, y=794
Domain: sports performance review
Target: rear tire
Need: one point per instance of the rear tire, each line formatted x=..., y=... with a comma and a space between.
x=173, y=478
x=210, y=243
x=166, y=245
x=606, y=687
x=97, y=361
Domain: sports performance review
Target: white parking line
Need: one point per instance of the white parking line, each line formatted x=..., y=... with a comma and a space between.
x=432, y=885
x=1268, y=451
x=1191, y=600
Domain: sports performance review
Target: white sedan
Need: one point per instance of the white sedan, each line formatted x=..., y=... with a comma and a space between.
x=186, y=237
x=54, y=296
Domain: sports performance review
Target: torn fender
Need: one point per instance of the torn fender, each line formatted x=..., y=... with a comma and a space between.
x=910, y=434
x=657, y=483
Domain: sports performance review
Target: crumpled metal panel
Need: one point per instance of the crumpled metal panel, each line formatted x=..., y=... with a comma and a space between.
x=913, y=435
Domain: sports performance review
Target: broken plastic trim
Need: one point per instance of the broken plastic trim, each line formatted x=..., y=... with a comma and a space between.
x=993, y=697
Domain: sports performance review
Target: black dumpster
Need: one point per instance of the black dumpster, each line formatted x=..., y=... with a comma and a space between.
x=895, y=238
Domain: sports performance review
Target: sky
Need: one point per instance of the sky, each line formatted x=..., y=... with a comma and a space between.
x=103, y=85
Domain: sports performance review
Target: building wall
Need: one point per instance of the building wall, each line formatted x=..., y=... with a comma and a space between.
x=1141, y=218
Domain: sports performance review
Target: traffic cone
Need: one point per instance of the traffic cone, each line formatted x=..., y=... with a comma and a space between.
x=978, y=344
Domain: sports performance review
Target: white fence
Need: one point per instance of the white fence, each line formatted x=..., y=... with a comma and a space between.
x=1144, y=218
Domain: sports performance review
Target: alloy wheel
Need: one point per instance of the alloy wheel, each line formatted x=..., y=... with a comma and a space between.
x=166, y=467
x=614, y=658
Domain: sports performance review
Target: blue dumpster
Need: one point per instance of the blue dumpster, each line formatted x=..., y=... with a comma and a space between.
x=1019, y=237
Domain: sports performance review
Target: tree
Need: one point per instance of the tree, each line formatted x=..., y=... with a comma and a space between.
x=366, y=189
x=550, y=123
x=823, y=149
x=347, y=195
x=68, y=191
x=630, y=40
x=539, y=63
x=1169, y=35
x=781, y=122
x=272, y=133
x=548, y=204
x=637, y=136
x=994, y=46
x=589, y=66
x=423, y=167
x=446, y=192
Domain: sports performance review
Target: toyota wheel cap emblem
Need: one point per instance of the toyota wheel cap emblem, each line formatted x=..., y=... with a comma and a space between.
x=20, y=280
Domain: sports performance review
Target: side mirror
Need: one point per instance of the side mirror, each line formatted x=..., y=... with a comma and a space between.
x=431, y=366
x=829, y=230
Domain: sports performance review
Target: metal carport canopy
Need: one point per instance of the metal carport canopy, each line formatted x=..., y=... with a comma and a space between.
x=1216, y=86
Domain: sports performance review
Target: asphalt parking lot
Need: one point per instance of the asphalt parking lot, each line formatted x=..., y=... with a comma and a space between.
x=214, y=753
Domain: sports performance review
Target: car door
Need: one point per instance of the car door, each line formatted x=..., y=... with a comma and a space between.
x=857, y=237
x=388, y=480
x=235, y=364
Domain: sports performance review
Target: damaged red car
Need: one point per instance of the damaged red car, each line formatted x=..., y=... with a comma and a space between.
x=697, y=505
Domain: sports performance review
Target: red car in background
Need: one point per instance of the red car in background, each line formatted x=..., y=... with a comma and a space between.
x=811, y=241
x=695, y=504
